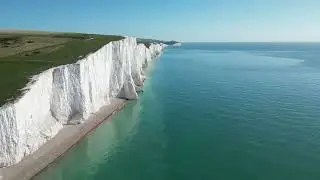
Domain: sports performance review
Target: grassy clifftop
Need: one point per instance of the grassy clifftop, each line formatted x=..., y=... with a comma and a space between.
x=26, y=53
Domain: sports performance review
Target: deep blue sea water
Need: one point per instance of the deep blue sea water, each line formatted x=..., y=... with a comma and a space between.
x=224, y=111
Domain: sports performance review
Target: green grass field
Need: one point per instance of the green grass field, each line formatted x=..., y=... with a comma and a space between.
x=27, y=53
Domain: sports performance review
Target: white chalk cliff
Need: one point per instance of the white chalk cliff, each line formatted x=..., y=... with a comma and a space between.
x=69, y=94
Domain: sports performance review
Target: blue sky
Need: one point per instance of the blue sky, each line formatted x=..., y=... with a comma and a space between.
x=185, y=20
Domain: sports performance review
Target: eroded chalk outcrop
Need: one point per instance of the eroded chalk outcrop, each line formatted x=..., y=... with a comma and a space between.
x=69, y=94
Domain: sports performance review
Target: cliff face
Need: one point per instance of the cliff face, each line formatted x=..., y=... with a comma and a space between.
x=69, y=94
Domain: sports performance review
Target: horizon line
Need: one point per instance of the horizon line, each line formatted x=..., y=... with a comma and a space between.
x=249, y=41
x=2, y=30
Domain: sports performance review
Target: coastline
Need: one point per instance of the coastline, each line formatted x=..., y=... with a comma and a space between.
x=56, y=147
x=69, y=94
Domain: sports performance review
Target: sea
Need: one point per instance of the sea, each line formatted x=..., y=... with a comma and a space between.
x=211, y=111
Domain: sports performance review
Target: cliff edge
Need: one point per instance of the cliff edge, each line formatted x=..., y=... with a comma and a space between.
x=69, y=94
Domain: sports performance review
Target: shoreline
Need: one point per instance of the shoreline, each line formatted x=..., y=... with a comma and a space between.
x=55, y=148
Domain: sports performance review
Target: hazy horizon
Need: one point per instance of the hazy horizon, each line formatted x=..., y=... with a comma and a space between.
x=183, y=20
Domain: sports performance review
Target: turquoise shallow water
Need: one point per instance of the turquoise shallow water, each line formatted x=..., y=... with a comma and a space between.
x=212, y=111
